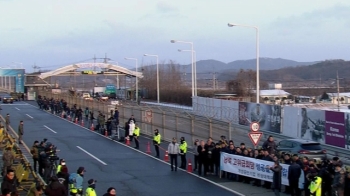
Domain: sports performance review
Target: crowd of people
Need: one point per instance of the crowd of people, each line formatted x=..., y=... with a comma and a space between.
x=76, y=114
x=325, y=177
x=321, y=178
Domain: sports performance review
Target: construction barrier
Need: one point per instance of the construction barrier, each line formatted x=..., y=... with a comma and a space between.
x=24, y=172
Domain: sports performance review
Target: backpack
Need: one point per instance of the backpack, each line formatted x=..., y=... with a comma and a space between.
x=72, y=178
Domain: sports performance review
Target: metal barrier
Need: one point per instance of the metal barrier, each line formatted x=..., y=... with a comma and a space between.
x=177, y=122
x=24, y=173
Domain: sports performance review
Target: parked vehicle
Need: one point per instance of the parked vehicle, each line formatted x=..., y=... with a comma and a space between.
x=87, y=96
x=7, y=99
x=310, y=149
x=112, y=96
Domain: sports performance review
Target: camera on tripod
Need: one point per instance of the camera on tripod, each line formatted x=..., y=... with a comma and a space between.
x=54, y=158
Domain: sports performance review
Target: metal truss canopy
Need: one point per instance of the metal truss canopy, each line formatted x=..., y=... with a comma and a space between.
x=110, y=70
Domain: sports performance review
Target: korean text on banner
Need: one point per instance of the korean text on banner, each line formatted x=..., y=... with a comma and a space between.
x=254, y=168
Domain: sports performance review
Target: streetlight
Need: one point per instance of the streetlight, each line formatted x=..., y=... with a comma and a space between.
x=257, y=57
x=137, y=85
x=176, y=41
x=195, y=69
x=157, y=74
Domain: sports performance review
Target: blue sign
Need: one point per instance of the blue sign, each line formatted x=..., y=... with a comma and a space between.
x=19, y=77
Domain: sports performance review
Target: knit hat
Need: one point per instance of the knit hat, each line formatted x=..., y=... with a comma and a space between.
x=91, y=181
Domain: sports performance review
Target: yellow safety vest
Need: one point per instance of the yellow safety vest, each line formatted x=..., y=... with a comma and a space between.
x=157, y=138
x=315, y=186
x=183, y=147
x=90, y=192
x=58, y=169
x=137, y=131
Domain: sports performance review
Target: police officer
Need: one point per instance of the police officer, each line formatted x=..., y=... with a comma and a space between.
x=136, y=135
x=156, y=141
x=90, y=190
x=183, y=151
x=315, y=186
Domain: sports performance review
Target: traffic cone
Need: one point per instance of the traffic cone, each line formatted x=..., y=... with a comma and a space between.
x=92, y=127
x=62, y=115
x=76, y=120
x=106, y=133
x=148, y=151
x=82, y=122
x=127, y=141
x=69, y=117
x=189, y=167
x=166, y=156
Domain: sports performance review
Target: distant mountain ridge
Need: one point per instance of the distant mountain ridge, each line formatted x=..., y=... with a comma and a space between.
x=205, y=66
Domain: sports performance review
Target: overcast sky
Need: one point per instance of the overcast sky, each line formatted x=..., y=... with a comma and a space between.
x=56, y=33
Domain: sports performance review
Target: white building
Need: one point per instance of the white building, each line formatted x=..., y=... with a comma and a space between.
x=274, y=96
x=343, y=97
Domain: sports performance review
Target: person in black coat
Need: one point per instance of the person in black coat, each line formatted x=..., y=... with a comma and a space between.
x=10, y=182
x=267, y=157
x=202, y=158
x=55, y=188
x=277, y=178
x=294, y=172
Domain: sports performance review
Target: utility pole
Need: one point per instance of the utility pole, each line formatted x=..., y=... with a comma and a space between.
x=214, y=81
x=95, y=69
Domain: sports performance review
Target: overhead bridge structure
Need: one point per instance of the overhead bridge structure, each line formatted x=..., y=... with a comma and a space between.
x=103, y=68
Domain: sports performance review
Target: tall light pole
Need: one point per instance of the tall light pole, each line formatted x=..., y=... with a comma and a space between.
x=257, y=57
x=176, y=41
x=195, y=69
x=137, y=85
x=157, y=74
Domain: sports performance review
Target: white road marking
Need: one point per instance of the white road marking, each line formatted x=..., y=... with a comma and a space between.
x=122, y=144
x=97, y=159
x=29, y=116
x=14, y=104
x=17, y=108
x=49, y=129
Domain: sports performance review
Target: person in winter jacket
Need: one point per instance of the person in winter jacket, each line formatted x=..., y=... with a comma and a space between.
x=131, y=130
x=183, y=151
x=10, y=182
x=173, y=150
x=269, y=145
x=277, y=178
x=7, y=159
x=338, y=181
x=110, y=192
x=90, y=190
x=35, y=153
x=55, y=188
x=35, y=190
x=196, y=144
x=63, y=176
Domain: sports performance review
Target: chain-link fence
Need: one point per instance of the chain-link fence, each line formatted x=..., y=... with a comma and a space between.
x=170, y=122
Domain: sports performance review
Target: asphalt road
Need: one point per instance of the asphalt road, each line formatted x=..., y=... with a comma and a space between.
x=130, y=171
